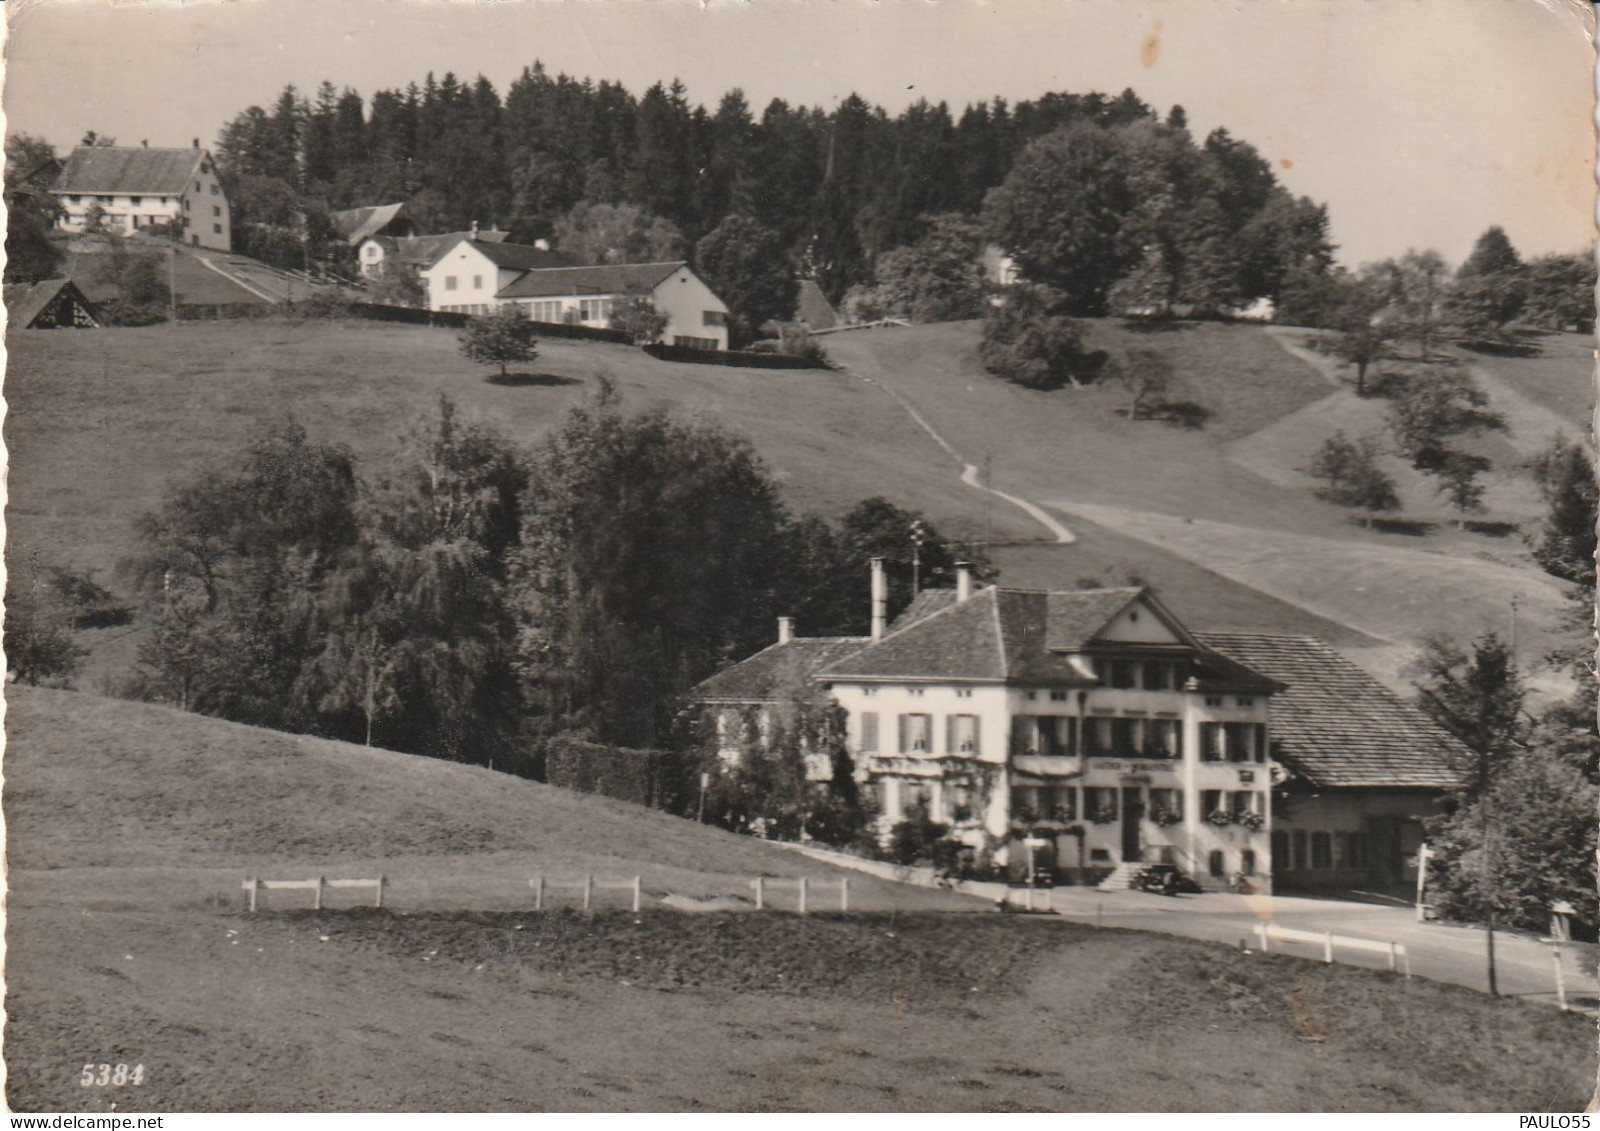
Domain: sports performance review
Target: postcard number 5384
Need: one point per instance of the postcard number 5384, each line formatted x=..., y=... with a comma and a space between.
x=111, y=1075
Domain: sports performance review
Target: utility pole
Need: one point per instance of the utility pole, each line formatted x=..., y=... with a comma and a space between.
x=172, y=282
x=918, y=533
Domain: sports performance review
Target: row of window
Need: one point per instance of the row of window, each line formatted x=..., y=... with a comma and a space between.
x=1300, y=850
x=687, y=341
x=1101, y=803
x=914, y=734
x=468, y=308
x=1065, y=736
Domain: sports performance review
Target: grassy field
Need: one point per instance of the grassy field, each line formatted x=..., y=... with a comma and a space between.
x=130, y=826
x=1077, y=451
x=99, y=423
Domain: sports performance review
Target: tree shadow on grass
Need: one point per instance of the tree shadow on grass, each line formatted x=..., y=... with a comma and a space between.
x=534, y=380
x=1492, y=529
x=1413, y=527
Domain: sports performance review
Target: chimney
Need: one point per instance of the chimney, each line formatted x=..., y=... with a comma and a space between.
x=144, y=143
x=785, y=629
x=197, y=143
x=474, y=230
x=880, y=600
x=963, y=581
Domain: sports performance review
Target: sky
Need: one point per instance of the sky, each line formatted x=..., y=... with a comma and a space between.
x=1419, y=122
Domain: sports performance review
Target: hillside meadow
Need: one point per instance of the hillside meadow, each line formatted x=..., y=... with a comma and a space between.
x=130, y=827
x=100, y=423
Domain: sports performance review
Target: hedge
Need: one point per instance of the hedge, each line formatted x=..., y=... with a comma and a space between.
x=612, y=771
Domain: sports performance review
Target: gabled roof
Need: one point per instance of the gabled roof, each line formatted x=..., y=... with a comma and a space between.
x=777, y=671
x=1019, y=636
x=26, y=301
x=549, y=280
x=519, y=256
x=425, y=251
x=116, y=169
x=357, y=224
x=1336, y=725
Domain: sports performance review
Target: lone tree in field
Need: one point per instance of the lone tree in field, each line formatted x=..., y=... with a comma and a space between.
x=1354, y=478
x=500, y=338
x=1437, y=406
x=1458, y=482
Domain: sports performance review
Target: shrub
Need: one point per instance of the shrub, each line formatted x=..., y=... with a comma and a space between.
x=1029, y=340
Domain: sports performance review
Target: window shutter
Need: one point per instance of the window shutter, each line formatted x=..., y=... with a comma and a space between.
x=950, y=733
x=1261, y=742
x=977, y=741
x=869, y=731
x=905, y=744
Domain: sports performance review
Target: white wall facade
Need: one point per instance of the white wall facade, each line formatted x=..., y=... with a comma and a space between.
x=465, y=280
x=1006, y=788
x=696, y=317
x=200, y=209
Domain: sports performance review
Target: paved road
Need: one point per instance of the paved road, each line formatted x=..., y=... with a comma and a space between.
x=1438, y=951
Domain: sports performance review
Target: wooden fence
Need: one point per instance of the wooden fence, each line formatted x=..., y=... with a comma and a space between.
x=254, y=886
x=543, y=886
x=802, y=886
x=1269, y=933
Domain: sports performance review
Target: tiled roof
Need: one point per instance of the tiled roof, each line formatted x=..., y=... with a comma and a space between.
x=813, y=308
x=924, y=604
x=1073, y=617
x=25, y=301
x=518, y=256
x=778, y=671
x=1338, y=726
x=551, y=279
x=356, y=224
x=425, y=251
x=114, y=169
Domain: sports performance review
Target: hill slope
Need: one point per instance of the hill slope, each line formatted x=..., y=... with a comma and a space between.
x=100, y=422
x=140, y=802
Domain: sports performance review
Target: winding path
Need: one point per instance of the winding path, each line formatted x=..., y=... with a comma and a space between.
x=969, y=471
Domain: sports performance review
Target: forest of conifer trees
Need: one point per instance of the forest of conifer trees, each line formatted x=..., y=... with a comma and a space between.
x=838, y=188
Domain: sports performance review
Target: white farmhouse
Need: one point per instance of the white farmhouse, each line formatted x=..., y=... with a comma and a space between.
x=1091, y=731
x=144, y=188
x=474, y=277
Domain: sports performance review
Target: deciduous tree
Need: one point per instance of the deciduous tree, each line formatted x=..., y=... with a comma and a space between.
x=1031, y=340
x=500, y=338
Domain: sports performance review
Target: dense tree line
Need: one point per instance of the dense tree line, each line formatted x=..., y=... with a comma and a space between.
x=834, y=190
x=469, y=600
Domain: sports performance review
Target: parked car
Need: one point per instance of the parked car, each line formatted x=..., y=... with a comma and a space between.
x=1164, y=879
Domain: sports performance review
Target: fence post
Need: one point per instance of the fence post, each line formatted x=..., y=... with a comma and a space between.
x=588, y=891
x=844, y=893
x=1393, y=958
x=1561, y=984
x=759, y=903
x=802, y=895
x=1266, y=947
x=255, y=886
x=636, y=894
x=378, y=902
x=1327, y=948
x=320, y=882
x=538, y=893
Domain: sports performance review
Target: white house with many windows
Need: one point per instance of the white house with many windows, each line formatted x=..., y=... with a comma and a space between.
x=1092, y=731
x=138, y=189
x=474, y=277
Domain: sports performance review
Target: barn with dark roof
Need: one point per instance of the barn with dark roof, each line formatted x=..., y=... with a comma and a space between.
x=1363, y=766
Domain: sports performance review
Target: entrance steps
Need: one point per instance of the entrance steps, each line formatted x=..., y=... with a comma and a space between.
x=1122, y=877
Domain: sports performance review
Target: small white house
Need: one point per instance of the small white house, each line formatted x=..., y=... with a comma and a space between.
x=382, y=254
x=475, y=278
x=142, y=188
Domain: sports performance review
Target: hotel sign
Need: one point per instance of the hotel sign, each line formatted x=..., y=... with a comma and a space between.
x=1131, y=767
